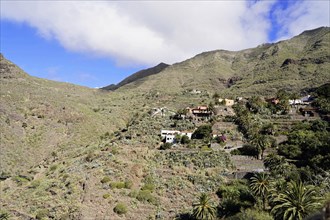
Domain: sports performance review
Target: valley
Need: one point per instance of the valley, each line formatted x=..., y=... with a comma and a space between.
x=71, y=152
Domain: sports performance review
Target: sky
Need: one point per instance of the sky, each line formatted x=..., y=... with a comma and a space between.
x=97, y=43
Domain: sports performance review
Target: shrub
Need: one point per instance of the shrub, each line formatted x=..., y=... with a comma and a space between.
x=128, y=184
x=53, y=167
x=105, y=179
x=34, y=184
x=145, y=195
x=107, y=195
x=21, y=179
x=165, y=146
x=206, y=148
x=133, y=193
x=4, y=215
x=118, y=185
x=89, y=157
x=148, y=186
x=42, y=214
x=120, y=208
x=185, y=139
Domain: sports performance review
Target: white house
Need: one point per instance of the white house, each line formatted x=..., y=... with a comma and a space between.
x=295, y=101
x=169, y=135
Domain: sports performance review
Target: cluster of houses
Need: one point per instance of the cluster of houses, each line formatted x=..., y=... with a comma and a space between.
x=306, y=100
x=204, y=113
x=302, y=103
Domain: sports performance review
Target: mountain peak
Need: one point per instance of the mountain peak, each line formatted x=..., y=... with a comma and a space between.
x=138, y=76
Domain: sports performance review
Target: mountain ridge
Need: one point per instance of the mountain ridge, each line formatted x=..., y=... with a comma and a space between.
x=137, y=76
x=213, y=69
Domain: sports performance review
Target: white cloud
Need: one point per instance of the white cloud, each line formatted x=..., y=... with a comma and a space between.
x=152, y=31
x=301, y=16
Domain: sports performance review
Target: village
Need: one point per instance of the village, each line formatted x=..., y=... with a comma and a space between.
x=215, y=127
x=297, y=108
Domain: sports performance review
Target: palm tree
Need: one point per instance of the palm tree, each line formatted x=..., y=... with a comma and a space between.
x=260, y=186
x=261, y=142
x=295, y=202
x=204, y=209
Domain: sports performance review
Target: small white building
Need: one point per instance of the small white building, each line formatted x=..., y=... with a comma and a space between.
x=295, y=101
x=169, y=135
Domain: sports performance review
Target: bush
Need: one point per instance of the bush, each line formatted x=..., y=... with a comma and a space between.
x=165, y=146
x=206, y=148
x=148, y=186
x=145, y=195
x=20, y=179
x=53, y=167
x=120, y=208
x=251, y=214
x=133, y=193
x=117, y=185
x=34, y=184
x=185, y=139
x=4, y=215
x=107, y=195
x=203, y=131
x=42, y=214
x=248, y=150
x=105, y=179
x=128, y=184
x=90, y=156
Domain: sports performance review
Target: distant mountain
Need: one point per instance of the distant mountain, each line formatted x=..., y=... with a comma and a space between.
x=138, y=76
x=296, y=64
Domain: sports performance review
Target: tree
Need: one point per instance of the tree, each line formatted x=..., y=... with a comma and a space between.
x=277, y=165
x=295, y=202
x=204, y=209
x=235, y=196
x=203, y=131
x=283, y=105
x=255, y=104
x=185, y=139
x=261, y=142
x=260, y=186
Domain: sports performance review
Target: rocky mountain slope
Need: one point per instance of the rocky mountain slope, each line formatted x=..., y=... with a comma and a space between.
x=39, y=117
x=295, y=64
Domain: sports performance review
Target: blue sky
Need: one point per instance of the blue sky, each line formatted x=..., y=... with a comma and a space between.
x=98, y=43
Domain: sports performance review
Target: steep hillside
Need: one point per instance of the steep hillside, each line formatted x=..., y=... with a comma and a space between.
x=138, y=76
x=39, y=117
x=296, y=64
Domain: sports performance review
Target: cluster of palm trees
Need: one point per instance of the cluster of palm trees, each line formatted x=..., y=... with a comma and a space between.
x=292, y=200
x=288, y=201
